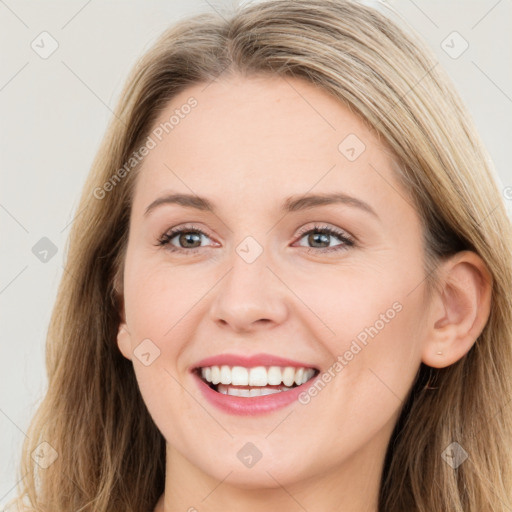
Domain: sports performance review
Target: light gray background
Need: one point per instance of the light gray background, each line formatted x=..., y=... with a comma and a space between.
x=53, y=115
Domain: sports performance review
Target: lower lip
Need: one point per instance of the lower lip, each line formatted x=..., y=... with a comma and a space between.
x=251, y=405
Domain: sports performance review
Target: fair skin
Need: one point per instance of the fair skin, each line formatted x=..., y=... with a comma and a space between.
x=249, y=145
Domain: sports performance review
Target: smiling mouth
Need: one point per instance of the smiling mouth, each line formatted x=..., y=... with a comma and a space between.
x=255, y=381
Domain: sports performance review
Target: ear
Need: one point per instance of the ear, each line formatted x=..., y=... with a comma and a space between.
x=459, y=309
x=123, y=334
x=124, y=341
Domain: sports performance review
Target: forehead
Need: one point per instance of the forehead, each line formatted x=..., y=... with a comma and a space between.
x=262, y=134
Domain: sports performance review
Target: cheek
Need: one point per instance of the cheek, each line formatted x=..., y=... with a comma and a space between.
x=157, y=296
x=374, y=366
x=359, y=303
x=161, y=305
x=375, y=330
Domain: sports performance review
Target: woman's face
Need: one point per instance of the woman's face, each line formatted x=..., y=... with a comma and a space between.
x=266, y=295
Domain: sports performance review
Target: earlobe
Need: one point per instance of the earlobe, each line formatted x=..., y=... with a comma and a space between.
x=124, y=341
x=460, y=310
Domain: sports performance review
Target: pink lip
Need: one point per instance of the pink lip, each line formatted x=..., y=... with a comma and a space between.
x=249, y=361
x=255, y=404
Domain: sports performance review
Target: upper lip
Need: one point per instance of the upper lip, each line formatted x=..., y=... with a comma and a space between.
x=249, y=361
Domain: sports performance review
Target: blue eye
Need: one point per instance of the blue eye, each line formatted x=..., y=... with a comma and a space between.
x=321, y=235
x=190, y=238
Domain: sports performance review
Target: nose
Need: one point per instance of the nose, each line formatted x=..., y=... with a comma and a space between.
x=249, y=297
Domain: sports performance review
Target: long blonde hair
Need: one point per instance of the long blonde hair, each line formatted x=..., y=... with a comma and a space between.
x=110, y=454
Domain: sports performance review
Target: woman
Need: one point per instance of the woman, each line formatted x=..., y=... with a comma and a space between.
x=253, y=368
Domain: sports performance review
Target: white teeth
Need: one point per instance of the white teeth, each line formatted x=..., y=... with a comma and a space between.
x=239, y=376
x=225, y=375
x=307, y=375
x=206, y=373
x=215, y=375
x=288, y=376
x=258, y=376
x=274, y=376
x=245, y=392
x=270, y=391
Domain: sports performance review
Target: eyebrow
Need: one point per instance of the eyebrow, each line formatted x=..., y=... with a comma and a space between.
x=291, y=204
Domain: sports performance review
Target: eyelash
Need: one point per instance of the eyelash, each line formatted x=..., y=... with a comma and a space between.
x=346, y=240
